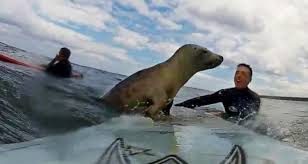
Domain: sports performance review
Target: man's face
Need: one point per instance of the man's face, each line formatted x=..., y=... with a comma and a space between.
x=242, y=77
x=62, y=57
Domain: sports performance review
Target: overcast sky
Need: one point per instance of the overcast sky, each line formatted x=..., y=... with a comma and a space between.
x=124, y=36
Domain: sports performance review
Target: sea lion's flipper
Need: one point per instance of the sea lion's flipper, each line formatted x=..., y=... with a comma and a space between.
x=166, y=110
x=158, y=103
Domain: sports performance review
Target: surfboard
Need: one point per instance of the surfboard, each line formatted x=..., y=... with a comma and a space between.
x=10, y=59
x=135, y=139
x=116, y=153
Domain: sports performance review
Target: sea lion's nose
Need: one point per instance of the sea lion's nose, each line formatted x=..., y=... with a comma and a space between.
x=221, y=58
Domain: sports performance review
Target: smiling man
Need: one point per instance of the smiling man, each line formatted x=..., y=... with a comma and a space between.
x=239, y=102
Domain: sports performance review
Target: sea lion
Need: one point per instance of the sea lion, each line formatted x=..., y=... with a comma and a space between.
x=151, y=90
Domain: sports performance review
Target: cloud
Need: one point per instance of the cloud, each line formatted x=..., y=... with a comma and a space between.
x=221, y=14
x=254, y=33
x=130, y=38
x=29, y=22
x=166, y=49
x=69, y=13
x=166, y=23
x=137, y=41
x=142, y=8
x=164, y=3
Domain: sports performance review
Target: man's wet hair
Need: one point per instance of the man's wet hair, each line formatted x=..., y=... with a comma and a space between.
x=247, y=66
x=65, y=51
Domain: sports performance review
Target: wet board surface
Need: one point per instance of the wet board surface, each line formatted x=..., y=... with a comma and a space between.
x=194, y=140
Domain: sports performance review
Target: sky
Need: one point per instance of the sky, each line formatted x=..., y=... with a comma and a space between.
x=124, y=36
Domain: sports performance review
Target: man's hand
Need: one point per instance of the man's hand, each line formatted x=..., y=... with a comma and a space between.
x=57, y=58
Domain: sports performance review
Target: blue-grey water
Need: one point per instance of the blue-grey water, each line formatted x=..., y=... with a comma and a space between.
x=34, y=104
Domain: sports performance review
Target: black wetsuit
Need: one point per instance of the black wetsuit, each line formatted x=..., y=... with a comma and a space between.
x=61, y=69
x=237, y=103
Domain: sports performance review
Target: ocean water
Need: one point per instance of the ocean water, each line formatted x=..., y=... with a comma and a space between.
x=34, y=104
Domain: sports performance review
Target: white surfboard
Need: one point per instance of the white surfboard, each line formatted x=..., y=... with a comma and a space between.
x=193, y=140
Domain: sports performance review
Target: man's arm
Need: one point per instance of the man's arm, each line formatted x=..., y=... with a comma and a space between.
x=257, y=103
x=203, y=100
x=50, y=65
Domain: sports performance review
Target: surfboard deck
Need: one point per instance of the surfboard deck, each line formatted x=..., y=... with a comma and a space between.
x=194, y=140
x=9, y=59
x=118, y=152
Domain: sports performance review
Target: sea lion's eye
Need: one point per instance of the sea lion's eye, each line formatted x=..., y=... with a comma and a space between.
x=202, y=53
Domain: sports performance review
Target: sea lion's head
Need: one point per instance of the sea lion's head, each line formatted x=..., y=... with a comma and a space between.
x=198, y=57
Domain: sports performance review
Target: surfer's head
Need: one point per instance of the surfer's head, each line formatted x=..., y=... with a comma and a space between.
x=64, y=54
x=243, y=76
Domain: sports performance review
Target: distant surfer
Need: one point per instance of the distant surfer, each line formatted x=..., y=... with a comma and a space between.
x=60, y=65
x=239, y=102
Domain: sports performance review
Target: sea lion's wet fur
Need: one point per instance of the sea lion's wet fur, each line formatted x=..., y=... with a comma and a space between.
x=150, y=90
